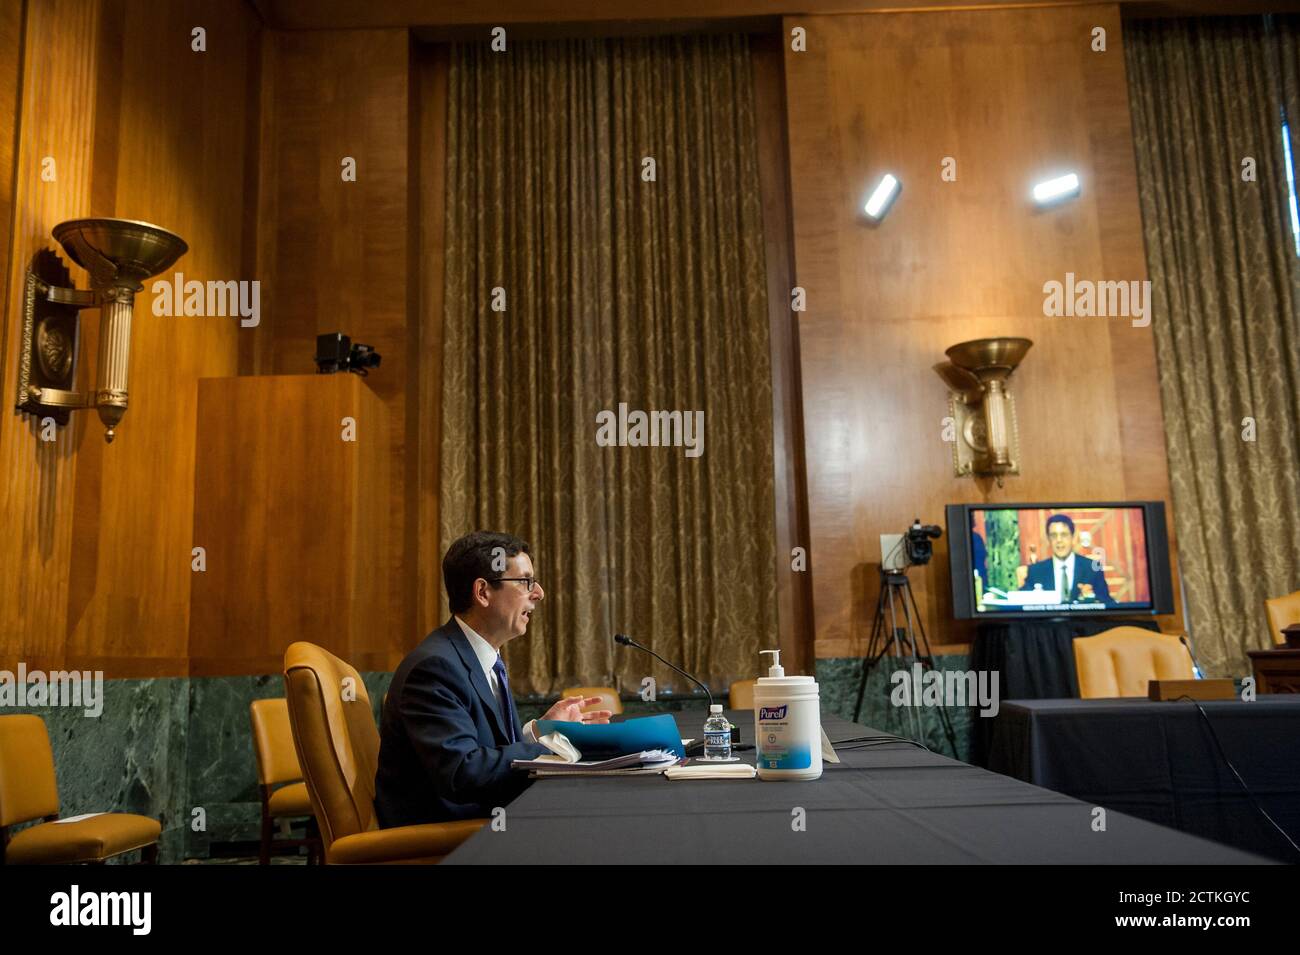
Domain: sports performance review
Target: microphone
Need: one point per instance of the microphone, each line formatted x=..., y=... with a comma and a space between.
x=627, y=641
x=1196, y=666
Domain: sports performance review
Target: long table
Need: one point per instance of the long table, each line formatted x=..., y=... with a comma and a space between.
x=891, y=803
x=1035, y=658
x=1159, y=761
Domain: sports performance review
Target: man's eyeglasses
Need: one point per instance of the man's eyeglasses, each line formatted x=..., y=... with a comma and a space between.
x=530, y=583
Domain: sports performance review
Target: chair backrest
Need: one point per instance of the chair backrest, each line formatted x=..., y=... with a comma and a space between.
x=741, y=695
x=1282, y=612
x=277, y=759
x=335, y=736
x=28, y=789
x=1122, y=660
x=608, y=697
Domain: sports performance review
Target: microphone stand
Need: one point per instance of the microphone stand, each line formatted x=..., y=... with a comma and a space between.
x=627, y=641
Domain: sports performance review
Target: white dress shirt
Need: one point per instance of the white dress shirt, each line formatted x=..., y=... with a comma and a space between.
x=487, y=658
x=1061, y=568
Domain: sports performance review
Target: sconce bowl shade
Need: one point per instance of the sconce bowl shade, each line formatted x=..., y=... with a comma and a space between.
x=989, y=358
x=119, y=251
x=959, y=379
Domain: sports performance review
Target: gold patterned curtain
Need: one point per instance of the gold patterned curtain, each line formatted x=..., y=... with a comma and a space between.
x=605, y=247
x=1206, y=96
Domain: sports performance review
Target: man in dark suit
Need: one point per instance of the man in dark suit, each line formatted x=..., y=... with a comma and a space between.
x=449, y=729
x=1071, y=576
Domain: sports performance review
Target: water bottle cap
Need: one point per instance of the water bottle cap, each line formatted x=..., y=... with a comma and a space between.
x=715, y=707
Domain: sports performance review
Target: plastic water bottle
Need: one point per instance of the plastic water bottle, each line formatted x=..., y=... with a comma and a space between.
x=717, y=734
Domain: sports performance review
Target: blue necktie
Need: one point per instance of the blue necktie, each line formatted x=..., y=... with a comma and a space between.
x=499, y=668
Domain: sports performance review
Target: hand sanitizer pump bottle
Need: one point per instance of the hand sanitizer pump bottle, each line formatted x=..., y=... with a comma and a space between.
x=787, y=724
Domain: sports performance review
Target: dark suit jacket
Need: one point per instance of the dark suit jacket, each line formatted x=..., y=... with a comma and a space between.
x=1043, y=573
x=442, y=743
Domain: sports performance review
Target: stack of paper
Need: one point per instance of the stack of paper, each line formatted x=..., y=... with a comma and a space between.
x=706, y=770
x=647, y=762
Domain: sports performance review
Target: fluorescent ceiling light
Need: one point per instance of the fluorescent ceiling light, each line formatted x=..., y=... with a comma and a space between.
x=882, y=196
x=1058, y=188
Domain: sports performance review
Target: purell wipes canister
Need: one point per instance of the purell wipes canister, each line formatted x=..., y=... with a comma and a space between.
x=787, y=724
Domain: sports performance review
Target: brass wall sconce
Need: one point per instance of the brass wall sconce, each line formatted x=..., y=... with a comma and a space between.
x=987, y=441
x=120, y=255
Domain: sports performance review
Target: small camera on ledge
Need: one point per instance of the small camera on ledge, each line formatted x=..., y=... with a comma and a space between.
x=335, y=352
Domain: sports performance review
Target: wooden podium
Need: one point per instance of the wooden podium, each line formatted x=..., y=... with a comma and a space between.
x=293, y=509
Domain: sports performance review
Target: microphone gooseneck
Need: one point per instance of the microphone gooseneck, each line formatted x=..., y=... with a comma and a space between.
x=1196, y=664
x=625, y=640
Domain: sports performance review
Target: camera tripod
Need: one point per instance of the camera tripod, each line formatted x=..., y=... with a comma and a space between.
x=896, y=596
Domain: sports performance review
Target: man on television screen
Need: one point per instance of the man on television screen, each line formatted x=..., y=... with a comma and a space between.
x=1073, y=577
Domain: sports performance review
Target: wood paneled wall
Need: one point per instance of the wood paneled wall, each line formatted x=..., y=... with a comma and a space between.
x=431, y=67
x=95, y=558
x=793, y=584
x=287, y=512
x=341, y=256
x=683, y=14
x=240, y=150
x=1012, y=96
x=11, y=54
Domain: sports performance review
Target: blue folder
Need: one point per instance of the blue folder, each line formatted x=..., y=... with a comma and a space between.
x=607, y=740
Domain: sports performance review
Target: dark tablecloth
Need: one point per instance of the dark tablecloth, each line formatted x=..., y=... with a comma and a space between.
x=885, y=804
x=1158, y=761
x=1034, y=660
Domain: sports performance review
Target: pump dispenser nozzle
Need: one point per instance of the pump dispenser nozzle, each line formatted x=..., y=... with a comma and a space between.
x=775, y=670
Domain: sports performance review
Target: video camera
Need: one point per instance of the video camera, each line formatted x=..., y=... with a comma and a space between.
x=335, y=352
x=917, y=542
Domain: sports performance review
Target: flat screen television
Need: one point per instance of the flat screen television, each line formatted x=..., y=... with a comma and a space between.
x=1059, y=559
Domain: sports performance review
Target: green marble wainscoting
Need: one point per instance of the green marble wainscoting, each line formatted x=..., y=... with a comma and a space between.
x=838, y=679
x=165, y=747
x=222, y=773
x=129, y=758
x=168, y=746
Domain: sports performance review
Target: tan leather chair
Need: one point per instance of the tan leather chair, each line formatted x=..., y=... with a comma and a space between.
x=338, y=750
x=609, y=699
x=1121, y=661
x=29, y=790
x=741, y=695
x=277, y=763
x=1282, y=612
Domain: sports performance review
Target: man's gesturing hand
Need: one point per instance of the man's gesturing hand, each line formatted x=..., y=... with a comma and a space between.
x=569, y=710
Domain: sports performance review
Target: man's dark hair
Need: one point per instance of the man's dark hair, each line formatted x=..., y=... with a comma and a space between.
x=470, y=558
x=1060, y=519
